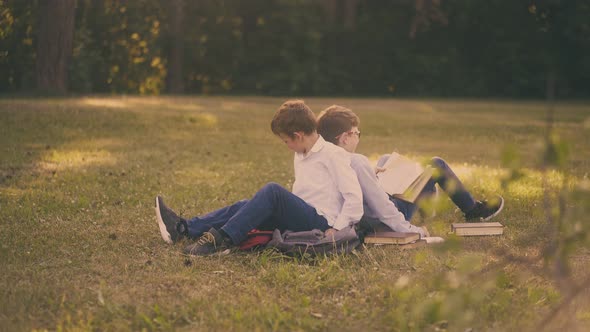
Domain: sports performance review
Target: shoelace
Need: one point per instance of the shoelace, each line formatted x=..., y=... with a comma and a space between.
x=206, y=238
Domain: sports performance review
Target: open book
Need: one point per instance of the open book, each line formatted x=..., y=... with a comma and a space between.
x=404, y=178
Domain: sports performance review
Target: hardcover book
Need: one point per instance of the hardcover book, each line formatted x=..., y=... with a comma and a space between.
x=477, y=229
x=391, y=238
x=403, y=178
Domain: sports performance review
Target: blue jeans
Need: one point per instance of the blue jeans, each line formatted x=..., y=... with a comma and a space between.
x=446, y=179
x=271, y=207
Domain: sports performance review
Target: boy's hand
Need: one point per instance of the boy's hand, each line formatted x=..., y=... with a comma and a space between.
x=426, y=232
x=330, y=232
x=379, y=170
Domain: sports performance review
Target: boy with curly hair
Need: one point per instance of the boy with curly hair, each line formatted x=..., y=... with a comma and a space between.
x=326, y=194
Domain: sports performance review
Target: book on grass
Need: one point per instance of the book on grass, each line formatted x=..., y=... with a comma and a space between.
x=476, y=229
x=404, y=178
x=391, y=238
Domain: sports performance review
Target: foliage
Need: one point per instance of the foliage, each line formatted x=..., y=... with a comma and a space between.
x=277, y=47
x=17, y=51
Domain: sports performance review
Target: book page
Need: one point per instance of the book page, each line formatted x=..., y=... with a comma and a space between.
x=416, y=187
x=399, y=174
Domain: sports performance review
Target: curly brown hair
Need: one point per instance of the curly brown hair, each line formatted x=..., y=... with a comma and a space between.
x=293, y=116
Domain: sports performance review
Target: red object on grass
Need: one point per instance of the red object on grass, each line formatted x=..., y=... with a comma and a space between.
x=256, y=238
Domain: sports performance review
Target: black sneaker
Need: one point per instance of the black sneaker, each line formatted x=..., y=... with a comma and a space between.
x=172, y=227
x=209, y=243
x=486, y=210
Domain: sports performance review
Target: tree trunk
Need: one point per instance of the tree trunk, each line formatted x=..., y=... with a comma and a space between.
x=427, y=11
x=331, y=7
x=350, y=13
x=341, y=12
x=54, y=44
x=176, y=56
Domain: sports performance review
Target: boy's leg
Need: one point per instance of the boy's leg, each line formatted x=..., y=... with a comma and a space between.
x=272, y=206
x=472, y=209
x=173, y=227
x=450, y=183
x=216, y=219
x=447, y=180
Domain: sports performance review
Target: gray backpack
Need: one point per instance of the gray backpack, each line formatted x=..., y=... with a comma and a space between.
x=314, y=242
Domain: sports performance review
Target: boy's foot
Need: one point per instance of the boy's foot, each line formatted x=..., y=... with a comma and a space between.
x=209, y=243
x=172, y=227
x=486, y=210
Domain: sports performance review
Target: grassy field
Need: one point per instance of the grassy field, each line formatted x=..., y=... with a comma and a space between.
x=80, y=248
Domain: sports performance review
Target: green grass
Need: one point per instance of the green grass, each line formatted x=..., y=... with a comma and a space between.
x=80, y=248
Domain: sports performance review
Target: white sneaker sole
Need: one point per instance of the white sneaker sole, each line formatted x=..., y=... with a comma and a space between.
x=495, y=213
x=165, y=235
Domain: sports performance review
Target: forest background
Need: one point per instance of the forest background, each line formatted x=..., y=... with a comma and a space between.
x=453, y=48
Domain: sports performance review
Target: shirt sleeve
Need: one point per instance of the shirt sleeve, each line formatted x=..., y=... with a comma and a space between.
x=348, y=185
x=377, y=200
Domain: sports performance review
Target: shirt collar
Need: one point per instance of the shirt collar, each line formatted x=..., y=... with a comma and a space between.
x=317, y=146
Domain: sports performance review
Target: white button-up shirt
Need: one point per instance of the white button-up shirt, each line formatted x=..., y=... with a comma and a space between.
x=325, y=180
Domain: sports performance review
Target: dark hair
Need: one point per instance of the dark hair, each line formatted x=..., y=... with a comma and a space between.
x=336, y=120
x=293, y=116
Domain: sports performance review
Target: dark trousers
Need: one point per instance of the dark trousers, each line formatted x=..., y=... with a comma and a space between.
x=446, y=179
x=271, y=207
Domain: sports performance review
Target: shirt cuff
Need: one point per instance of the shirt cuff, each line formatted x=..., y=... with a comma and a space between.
x=340, y=224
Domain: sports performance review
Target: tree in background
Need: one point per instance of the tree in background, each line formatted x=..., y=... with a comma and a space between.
x=562, y=26
x=17, y=49
x=55, y=34
x=427, y=11
x=175, y=80
x=342, y=11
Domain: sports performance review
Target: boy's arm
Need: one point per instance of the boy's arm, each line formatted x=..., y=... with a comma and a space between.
x=348, y=186
x=377, y=199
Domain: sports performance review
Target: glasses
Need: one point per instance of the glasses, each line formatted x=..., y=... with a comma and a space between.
x=357, y=133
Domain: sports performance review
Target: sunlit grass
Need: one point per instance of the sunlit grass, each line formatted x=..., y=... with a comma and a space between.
x=104, y=102
x=77, y=159
x=80, y=248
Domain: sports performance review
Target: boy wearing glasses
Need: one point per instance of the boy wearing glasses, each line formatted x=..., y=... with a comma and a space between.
x=339, y=125
x=326, y=193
